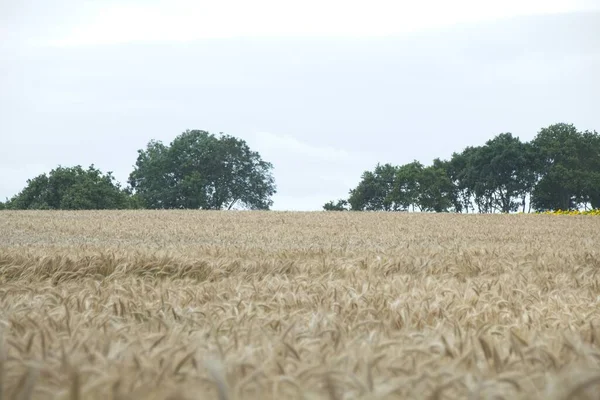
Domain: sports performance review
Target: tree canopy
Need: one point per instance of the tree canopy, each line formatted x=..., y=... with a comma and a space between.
x=71, y=188
x=558, y=169
x=199, y=170
x=567, y=167
x=398, y=188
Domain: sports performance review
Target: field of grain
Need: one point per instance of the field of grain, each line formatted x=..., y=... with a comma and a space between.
x=273, y=305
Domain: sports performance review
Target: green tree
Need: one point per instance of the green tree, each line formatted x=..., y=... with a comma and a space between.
x=460, y=172
x=590, y=156
x=406, y=185
x=435, y=190
x=2, y=205
x=450, y=191
x=501, y=174
x=375, y=190
x=199, y=170
x=133, y=200
x=340, y=205
x=390, y=188
x=71, y=189
x=497, y=176
x=567, y=167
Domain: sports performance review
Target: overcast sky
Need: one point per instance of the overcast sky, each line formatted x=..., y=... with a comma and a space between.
x=322, y=89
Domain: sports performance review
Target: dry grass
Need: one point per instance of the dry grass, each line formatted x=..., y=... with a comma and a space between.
x=267, y=305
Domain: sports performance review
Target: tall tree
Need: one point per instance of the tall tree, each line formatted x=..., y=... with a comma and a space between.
x=71, y=189
x=501, y=173
x=199, y=170
x=567, y=166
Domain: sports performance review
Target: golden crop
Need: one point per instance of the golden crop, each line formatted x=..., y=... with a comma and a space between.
x=275, y=305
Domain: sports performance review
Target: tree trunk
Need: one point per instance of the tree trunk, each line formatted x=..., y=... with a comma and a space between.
x=232, y=203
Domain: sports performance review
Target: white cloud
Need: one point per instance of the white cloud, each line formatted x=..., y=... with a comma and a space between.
x=186, y=20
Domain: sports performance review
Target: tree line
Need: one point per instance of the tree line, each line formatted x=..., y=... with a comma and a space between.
x=559, y=169
x=197, y=170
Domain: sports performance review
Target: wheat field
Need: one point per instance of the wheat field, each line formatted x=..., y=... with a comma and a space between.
x=281, y=305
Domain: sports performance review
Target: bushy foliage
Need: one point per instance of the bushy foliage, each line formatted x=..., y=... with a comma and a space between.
x=71, y=188
x=199, y=170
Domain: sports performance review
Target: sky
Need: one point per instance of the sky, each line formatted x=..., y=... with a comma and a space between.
x=324, y=90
